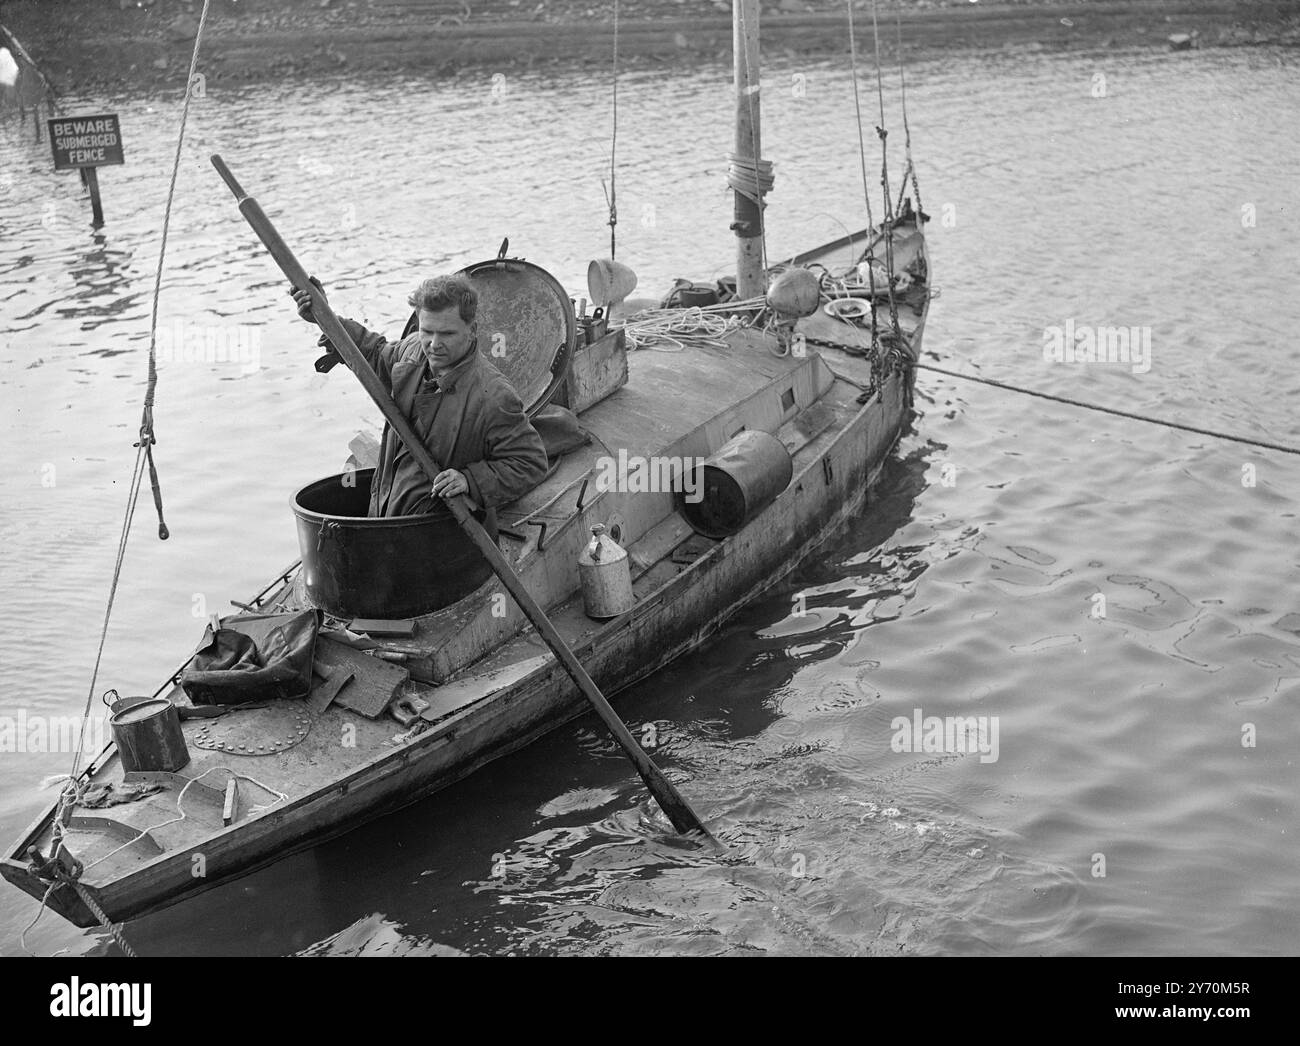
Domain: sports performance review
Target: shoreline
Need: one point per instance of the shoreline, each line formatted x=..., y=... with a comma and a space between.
x=95, y=44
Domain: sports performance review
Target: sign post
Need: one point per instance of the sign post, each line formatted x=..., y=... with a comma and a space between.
x=86, y=143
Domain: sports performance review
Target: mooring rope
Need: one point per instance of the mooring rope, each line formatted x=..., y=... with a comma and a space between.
x=1131, y=415
x=45, y=899
x=1109, y=410
x=99, y=913
x=143, y=460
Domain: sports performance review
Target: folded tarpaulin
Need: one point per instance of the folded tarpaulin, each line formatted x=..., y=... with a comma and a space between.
x=256, y=657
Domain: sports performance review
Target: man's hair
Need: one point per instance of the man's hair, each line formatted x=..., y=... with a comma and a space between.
x=442, y=292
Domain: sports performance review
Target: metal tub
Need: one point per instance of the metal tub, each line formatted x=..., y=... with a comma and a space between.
x=393, y=566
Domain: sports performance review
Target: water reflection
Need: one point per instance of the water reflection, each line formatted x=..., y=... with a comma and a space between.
x=102, y=277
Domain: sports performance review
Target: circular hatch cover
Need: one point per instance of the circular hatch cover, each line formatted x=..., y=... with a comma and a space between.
x=526, y=326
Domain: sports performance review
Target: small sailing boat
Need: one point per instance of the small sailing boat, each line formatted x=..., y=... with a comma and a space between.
x=791, y=390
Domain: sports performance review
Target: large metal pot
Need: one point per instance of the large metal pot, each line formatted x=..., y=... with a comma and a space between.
x=392, y=566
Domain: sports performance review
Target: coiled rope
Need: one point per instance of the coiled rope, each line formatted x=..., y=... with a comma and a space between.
x=280, y=797
x=752, y=179
x=71, y=792
x=702, y=326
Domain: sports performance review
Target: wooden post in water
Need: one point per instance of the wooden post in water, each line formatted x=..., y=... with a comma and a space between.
x=91, y=177
x=751, y=281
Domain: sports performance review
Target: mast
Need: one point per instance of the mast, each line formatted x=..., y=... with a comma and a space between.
x=746, y=175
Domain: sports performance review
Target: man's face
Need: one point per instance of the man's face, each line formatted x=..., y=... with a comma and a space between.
x=445, y=338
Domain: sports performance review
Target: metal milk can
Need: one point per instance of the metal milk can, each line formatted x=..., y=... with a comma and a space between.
x=606, y=576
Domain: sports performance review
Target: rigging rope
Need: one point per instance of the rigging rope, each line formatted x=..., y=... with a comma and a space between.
x=611, y=194
x=143, y=460
x=907, y=131
x=862, y=156
x=884, y=179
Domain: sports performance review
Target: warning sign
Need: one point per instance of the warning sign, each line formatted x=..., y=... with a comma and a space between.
x=85, y=141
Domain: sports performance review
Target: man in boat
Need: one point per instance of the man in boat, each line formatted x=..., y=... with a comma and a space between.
x=463, y=408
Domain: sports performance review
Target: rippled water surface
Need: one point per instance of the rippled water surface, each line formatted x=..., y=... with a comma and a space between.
x=969, y=587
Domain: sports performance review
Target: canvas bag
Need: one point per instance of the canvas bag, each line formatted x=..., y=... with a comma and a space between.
x=256, y=657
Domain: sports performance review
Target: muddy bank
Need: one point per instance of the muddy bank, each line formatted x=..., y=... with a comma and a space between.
x=118, y=43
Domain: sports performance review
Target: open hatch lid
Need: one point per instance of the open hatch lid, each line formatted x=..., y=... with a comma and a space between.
x=526, y=325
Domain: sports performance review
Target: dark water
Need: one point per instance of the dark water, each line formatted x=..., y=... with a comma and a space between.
x=969, y=588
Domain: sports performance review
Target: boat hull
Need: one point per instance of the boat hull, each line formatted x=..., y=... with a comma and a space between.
x=840, y=443
x=831, y=487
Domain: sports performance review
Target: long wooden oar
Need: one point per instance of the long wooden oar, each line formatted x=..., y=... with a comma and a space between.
x=677, y=809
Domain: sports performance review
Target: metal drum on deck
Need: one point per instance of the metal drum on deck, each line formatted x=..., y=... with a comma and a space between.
x=390, y=566
x=737, y=483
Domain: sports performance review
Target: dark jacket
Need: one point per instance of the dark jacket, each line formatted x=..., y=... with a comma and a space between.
x=472, y=420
